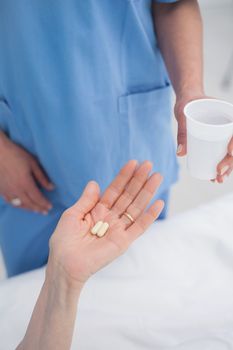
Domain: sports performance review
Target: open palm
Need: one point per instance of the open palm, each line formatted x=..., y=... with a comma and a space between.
x=78, y=252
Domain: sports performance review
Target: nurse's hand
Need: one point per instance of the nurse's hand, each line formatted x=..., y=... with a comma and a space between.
x=225, y=167
x=75, y=253
x=19, y=175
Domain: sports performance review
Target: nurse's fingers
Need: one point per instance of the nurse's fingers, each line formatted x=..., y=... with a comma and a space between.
x=36, y=195
x=36, y=207
x=133, y=188
x=181, y=136
x=87, y=201
x=40, y=176
x=26, y=202
x=224, y=168
x=144, y=220
x=117, y=186
x=138, y=206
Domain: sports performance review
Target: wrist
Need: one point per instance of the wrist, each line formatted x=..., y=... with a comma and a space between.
x=59, y=293
x=185, y=97
x=190, y=91
x=56, y=275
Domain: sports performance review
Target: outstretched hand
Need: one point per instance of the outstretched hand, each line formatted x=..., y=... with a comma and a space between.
x=77, y=252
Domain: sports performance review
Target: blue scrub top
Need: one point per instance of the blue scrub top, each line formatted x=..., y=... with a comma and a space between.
x=84, y=88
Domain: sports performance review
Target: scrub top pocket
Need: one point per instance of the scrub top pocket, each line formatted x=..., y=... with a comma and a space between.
x=146, y=128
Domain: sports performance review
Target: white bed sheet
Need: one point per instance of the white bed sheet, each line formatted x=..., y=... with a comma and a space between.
x=173, y=289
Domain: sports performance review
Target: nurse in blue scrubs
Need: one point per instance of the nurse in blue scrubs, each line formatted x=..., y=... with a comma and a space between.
x=83, y=89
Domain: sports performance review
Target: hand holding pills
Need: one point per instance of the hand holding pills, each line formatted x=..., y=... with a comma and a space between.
x=97, y=229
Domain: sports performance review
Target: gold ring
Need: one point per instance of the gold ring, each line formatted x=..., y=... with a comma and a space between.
x=129, y=216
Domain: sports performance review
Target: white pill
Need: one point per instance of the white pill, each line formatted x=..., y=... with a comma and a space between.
x=97, y=226
x=103, y=229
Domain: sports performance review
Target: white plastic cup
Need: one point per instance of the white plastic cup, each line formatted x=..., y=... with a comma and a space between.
x=209, y=130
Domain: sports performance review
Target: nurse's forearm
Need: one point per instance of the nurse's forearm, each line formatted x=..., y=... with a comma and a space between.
x=52, y=322
x=179, y=31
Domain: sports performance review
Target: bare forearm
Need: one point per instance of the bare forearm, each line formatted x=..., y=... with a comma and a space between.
x=52, y=322
x=179, y=31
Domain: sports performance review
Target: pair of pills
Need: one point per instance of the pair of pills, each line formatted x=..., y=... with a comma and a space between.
x=100, y=228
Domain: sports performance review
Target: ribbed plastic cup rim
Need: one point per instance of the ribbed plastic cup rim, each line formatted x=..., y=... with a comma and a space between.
x=206, y=124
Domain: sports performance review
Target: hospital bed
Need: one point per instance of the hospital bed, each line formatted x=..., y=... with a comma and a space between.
x=173, y=289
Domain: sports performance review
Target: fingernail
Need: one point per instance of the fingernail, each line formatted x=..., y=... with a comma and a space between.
x=224, y=169
x=179, y=149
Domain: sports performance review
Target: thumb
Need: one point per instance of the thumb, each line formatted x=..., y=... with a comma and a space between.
x=181, y=136
x=88, y=199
